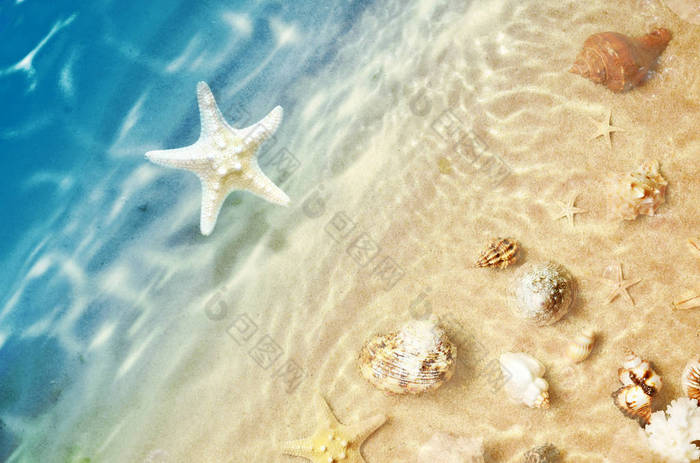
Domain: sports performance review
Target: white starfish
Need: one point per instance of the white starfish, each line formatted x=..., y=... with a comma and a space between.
x=224, y=158
x=605, y=128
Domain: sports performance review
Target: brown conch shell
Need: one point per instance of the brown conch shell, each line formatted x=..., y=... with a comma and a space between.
x=620, y=62
x=637, y=371
x=501, y=252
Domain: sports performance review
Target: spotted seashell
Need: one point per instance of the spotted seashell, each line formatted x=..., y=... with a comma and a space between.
x=639, y=372
x=620, y=62
x=523, y=379
x=417, y=358
x=542, y=293
x=580, y=348
x=640, y=191
x=501, y=252
x=543, y=454
x=690, y=379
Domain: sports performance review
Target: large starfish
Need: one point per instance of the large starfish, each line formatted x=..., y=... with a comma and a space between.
x=605, y=128
x=568, y=209
x=333, y=441
x=224, y=158
x=621, y=286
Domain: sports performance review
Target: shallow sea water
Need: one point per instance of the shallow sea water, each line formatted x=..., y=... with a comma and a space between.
x=126, y=336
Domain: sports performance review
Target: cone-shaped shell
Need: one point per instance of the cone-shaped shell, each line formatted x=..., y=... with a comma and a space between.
x=523, y=379
x=580, y=348
x=639, y=372
x=501, y=252
x=620, y=62
x=690, y=380
x=417, y=358
x=542, y=293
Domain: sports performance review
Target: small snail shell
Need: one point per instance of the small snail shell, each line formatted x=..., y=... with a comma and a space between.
x=415, y=359
x=691, y=379
x=639, y=372
x=501, y=252
x=580, y=348
x=547, y=453
x=523, y=379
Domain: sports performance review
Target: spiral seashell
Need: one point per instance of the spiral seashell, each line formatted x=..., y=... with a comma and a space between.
x=543, y=293
x=690, y=380
x=415, y=359
x=639, y=372
x=620, y=62
x=523, y=379
x=501, y=252
x=582, y=345
x=640, y=191
x=547, y=453
x=634, y=403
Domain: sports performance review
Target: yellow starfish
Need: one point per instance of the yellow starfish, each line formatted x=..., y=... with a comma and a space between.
x=568, y=210
x=333, y=441
x=605, y=128
x=621, y=287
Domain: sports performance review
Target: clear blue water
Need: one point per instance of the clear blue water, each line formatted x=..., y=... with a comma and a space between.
x=107, y=81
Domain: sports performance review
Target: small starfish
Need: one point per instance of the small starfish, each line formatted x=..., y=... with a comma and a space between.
x=224, y=158
x=621, y=287
x=333, y=441
x=568, y=210
x=605, y=128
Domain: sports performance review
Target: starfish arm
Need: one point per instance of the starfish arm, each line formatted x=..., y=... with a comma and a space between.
x=299, y=448
x=257, y=133
x=328, y=418
x=360, y=431
x=260, y=185
x=209, y=114
x=212, y=201
x=188, y=157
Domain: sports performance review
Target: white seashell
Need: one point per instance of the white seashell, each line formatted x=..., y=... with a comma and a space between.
x=446, y=448
x=637, y=371
x=523, y=379
x=417, y=358
x=543, y=293
x=640, y=191
x=690, y=379
x=582, y=345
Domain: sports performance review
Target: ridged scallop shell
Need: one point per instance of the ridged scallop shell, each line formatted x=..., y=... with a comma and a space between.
x=637, y=371
x=547, y=453
x=415, y=359
x=501, y=252
x=690, y=380
x=620, y=62
x=640, y=191
x=580, y=348
x=542, y=293
x=523, y=379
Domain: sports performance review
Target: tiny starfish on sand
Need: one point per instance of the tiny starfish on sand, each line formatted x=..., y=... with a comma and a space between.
x=568, y=209
x=333, y=441
x=605, y=128
x=224, y=158
x=621, y=286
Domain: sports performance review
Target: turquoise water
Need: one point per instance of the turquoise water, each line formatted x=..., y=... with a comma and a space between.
x=87, y=88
